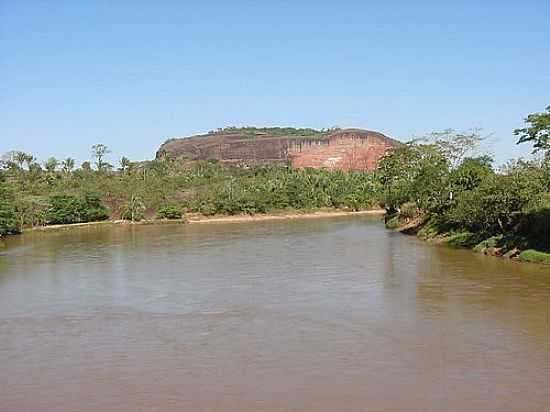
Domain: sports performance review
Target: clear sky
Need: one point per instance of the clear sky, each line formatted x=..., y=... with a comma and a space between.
x=132, y=73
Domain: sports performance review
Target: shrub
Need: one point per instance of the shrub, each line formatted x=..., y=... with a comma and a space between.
x=133, y=209
x=392, y=222
x=169, y=212
x=494, y=241
x=462, y=239
x=8, y=222
x=408, y=210
x=66, y=209
x=94, y=211
x=535, y=256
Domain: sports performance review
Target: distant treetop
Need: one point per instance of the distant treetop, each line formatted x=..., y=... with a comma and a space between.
x=274, y=131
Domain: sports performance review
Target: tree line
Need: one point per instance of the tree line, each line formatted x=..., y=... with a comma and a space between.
x=441, y=183
x=440, y=188
x=58, y=193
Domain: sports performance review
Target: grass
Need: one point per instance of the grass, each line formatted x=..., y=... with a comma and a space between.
x=495, y=241
x=429, y=230
x=535, y=256
x=462, y=239
x=393, y=222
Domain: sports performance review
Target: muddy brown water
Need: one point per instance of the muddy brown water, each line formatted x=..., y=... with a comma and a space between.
x=316, y=315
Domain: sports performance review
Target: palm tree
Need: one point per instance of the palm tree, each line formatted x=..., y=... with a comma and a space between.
x=29, y=160
x=68, y=165
x=124, y=164
x=20, y=158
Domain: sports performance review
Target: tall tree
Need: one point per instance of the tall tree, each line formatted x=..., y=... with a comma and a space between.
x=20, y=158
x=67, y=165
x=537, y=131
x=29, y=160
x=99, y=151
x=456, y=145
x=124, y=164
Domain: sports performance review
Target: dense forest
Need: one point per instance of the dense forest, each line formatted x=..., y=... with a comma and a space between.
x=441, y=185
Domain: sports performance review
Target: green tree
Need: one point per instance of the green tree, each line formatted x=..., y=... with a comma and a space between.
x=66, y=209
x=30, y=160
x=170, y=211
x=86, y=166
x=124, y=164
x=413, y=173
x=99, y=151
x=133, y=209
x=454, y=146
x=31, y=210
x=537, y=131
x=8, y=220
x=51, y=164
x=67, y=165
x=471, y=172
x=20, y=158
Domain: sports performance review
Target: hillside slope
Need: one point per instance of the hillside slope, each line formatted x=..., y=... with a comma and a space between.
x=343, y=149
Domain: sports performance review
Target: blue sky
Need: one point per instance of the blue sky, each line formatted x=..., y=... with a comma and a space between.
x=130, y=74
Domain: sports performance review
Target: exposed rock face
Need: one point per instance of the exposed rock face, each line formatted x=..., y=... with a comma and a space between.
x=347, y=149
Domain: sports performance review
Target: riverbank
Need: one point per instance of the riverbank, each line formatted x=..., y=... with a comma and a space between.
x=196, y=218
x=499, y=246
x=282, y=216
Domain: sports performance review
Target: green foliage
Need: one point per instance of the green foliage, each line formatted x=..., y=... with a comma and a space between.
x=462, y=239
x=431, y=228
x=67, y=165
x=534, y=224
x=537, y=131
x=125, y=164
x=31, y=210
x=99, y=151
x=170, y=211
x=408, y=210
x=393, y=222
x=133, y=209
x=453, y=145
x=413, y=173
x=470, y=173
x=51, y=164
x=434, y=182
x=492, y=242
x=66, y=209
x=463, y=198
x=535, y=256
x=273, y=131
x=8, y=221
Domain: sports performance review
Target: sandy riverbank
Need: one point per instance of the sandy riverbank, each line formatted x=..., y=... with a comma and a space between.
x=197, y=218
x=281, y=216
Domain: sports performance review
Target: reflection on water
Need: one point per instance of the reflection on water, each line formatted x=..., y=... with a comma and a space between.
x=312, y=315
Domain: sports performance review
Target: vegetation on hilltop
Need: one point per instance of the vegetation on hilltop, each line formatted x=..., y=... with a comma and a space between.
x=273, y=131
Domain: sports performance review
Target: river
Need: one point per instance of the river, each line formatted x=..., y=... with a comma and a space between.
x=334, y=314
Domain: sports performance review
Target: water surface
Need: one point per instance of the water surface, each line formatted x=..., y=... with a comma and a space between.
x=314, y=315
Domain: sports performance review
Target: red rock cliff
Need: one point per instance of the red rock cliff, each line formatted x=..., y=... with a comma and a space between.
x=347, y=149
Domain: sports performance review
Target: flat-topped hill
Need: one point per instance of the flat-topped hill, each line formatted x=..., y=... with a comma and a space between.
x=345, y=149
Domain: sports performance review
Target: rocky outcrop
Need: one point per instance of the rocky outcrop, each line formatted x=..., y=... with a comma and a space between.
x=345, y=149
